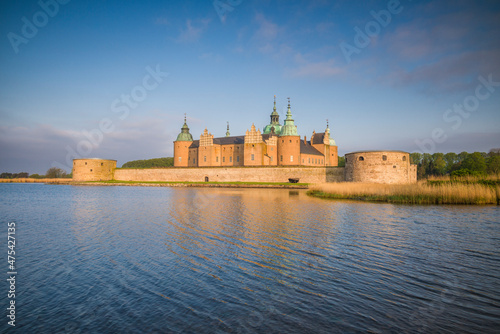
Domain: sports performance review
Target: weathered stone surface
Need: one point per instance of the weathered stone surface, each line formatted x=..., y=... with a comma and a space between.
x=233, y=174
x=380, y=167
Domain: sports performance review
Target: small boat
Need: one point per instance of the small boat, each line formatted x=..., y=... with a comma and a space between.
x=293, y=180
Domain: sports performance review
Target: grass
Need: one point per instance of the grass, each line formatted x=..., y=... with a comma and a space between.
x=417, y=193
x=202, y=183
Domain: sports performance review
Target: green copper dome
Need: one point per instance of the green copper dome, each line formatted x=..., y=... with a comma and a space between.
x=184, y=135
x=289, y=129
x=275, y=122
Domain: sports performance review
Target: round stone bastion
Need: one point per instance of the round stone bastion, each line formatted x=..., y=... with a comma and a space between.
x=389, y=167
x=93, y=169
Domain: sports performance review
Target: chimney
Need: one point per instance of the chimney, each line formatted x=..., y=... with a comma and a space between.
x=305, y=140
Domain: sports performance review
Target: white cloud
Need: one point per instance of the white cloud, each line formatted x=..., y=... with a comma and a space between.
x=193, y=30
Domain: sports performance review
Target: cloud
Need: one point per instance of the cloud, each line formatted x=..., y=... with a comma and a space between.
x=267, y=30
x=35, y=149
x=193, y=31
x=442, y=52
x=320, y=69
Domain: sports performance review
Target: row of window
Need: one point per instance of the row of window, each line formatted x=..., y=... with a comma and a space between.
x=102, y=164
x=216, y=159
x=384, y=158
x=314, y=161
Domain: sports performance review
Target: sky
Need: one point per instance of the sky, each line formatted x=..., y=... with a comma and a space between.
x=113, y=79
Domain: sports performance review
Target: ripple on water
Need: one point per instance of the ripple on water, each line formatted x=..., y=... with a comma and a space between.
x=132, y=259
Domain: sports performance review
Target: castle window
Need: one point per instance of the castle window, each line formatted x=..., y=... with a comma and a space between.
x=85, y=163
x=394, y=166
x=205, y=158
x=216, y=159
x=361, y=159
x=290, y=140
x=281, y=158
x=272, y=149
x=302, y=160
x=223, y=159
x=238, y=158
x=230, y=159
x=271, y=159
x=315, y=161
x=253, y=145
x=91, y=169
x=309, y=160
x=180, y=159
x=194, y=160
x=103, y=164
x=282, y=140
x=253, y=157
x=291, y=158
x=404, y=158
x=384, y=157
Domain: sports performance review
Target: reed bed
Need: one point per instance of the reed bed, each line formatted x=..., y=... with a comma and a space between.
x=417, y=193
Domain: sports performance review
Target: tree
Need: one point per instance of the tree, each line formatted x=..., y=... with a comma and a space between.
x=438, y=164
x=54, y=173
x=475, y=162
x=493, y=164
x=415, y=158
x=151, y=163
x=451, y=159
x=494, y=151
x=341, y=161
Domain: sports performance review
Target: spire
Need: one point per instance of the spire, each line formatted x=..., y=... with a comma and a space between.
x=327, y=126
x=184, y=135
x=289, y=129
x=227, y=132
x=275, y=121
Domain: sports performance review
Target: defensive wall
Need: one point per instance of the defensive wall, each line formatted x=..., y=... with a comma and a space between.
x=93, y=169
x=380, y=167
x=365, y=166
x=233, y=174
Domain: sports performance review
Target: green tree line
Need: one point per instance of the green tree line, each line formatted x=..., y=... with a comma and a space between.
x=52, y=173
x=461, y=164
x=150, y=163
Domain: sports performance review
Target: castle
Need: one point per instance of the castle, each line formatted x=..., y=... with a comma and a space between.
x=278, y=154
x=277, y=145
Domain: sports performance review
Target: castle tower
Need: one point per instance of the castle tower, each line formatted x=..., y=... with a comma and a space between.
x=181, y=146
x=331, y=154
x=289, y=142
x=275, y=125
x=227, y=132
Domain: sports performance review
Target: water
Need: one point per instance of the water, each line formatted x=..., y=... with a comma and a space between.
x=188, y=260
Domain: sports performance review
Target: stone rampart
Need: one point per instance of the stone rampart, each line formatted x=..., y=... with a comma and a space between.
x=379, y=167
x=233, y=174
x=93, y=169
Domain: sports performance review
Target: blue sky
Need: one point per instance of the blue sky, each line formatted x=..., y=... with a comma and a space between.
x=78, y=77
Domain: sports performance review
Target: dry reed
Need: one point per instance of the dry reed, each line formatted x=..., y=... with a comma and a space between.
x=418, y=193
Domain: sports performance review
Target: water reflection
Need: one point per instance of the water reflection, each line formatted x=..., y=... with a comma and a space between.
x=132, y=259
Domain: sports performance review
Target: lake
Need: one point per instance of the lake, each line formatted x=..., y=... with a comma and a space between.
x=117, y=259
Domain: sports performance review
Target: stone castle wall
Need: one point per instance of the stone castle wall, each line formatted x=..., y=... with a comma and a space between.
x=233, y=174
x=380, y=167
x=93, y=169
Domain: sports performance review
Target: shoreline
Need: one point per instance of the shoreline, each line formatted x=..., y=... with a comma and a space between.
x=162, y=183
